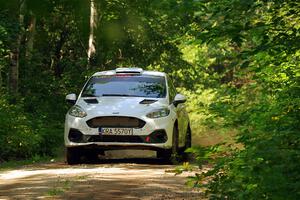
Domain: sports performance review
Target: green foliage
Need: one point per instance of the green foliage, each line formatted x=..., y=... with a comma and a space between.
x=18, y=139
x=237, y=61
x=24, y=135
x=129, y=33
x=185, y=167
x=198, y=105
x=256, y=59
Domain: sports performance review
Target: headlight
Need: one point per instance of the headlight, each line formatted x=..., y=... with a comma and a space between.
x=77, y=111
x=159, y=113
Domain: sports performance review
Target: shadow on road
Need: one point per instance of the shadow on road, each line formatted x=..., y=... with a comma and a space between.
x=148, y=161
x=126, y=157
x=109, y=177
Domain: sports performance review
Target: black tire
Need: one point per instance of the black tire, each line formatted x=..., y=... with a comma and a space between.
x=175, y=143
x=171, y=155
x=73, y=156
x=188, y=144
x=188, y=139
x=91, y=156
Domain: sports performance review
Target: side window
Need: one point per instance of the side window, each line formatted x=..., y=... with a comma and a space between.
x=172, y=90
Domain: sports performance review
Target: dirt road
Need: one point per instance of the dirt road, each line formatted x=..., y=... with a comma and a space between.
x=130, y=178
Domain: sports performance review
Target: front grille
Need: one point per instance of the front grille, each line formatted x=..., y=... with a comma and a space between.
x=116, y=121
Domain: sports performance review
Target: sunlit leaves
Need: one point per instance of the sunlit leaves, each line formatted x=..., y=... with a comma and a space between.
x=255, y=45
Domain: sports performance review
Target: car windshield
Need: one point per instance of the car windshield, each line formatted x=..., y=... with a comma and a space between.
x=126, y=85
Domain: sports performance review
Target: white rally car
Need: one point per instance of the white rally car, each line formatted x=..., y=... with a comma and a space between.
x=123, y=109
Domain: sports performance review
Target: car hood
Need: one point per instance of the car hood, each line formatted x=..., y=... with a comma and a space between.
x=120, y=106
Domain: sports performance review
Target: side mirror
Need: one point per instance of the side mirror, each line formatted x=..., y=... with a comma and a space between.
x=71, y=98
x=179, y=98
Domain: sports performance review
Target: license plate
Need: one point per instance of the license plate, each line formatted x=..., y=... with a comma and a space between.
x=116, y=131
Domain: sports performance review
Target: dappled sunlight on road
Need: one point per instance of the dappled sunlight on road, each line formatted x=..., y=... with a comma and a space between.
x=107, y=179
x=16, y=174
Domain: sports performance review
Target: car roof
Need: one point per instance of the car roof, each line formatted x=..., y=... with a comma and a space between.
x=129, y=71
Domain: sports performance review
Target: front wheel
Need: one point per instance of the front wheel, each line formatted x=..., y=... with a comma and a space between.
x=73, y=156
x=188, y=144
x=171, y=155
x=91, y=156
x=188, y=139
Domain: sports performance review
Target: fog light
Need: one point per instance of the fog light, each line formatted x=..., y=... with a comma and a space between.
x=158, y=136
x=75, y=135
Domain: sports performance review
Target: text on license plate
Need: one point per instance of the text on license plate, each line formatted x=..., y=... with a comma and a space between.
x=116, y=131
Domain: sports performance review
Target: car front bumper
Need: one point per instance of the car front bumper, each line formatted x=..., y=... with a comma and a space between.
x=163, y=124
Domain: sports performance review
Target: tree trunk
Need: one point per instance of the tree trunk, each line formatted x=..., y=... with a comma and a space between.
x=56, y=58
x=93, y=26
x=30, y=37
x=15, y=53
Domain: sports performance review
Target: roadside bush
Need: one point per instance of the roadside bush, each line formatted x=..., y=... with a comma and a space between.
x=17, y=138
x=198, y=104
x=267, y=166
x=24, y=135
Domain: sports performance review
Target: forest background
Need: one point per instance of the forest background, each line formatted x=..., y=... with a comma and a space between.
x=236, y=60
